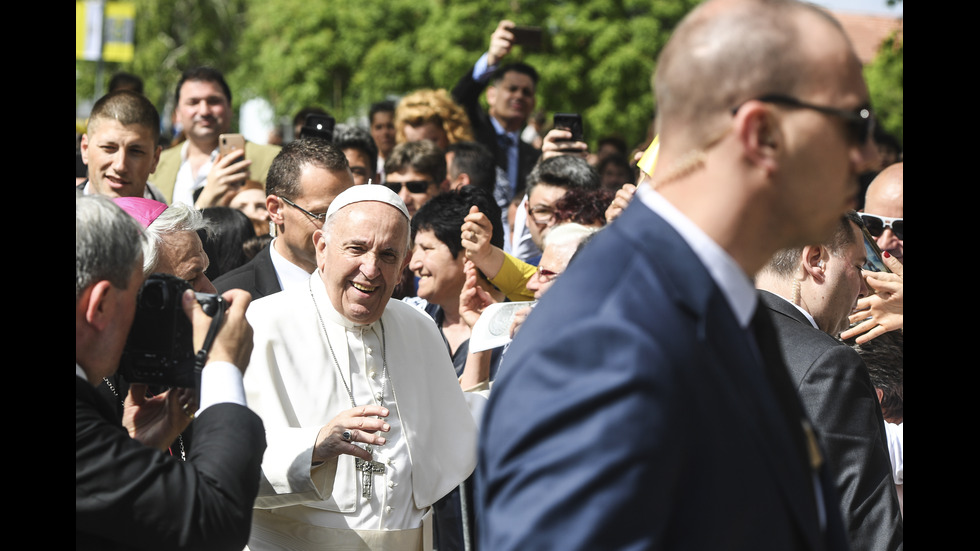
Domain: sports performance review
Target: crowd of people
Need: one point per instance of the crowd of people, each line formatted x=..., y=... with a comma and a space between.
x=706, y=354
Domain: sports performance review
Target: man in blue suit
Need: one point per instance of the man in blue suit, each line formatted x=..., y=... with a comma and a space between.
x=645, y=403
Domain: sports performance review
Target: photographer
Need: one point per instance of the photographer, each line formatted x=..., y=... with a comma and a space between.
x=128, y=492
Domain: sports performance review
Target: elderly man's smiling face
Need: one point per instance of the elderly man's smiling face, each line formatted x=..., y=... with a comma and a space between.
x=361, y=253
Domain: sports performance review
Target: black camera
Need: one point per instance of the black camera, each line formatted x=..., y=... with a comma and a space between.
x=160, y=347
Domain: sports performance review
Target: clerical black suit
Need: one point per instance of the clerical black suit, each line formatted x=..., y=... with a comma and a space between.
x=257, y=276
x=467, y=94
x=129, y=496
x=836, y=391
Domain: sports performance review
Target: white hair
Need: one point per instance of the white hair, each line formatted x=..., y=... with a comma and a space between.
x=569, y=233
x=177, y=217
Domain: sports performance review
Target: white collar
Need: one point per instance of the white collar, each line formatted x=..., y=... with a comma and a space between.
x=735, y=285
x=290, y=275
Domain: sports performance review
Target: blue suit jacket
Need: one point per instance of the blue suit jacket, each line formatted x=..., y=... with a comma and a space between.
x=632, y=412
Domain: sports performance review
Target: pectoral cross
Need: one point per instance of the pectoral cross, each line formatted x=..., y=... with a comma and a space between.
x=367, y=469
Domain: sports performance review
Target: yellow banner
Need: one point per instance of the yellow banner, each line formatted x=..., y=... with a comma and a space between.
x=105, y=30
x=120, y=27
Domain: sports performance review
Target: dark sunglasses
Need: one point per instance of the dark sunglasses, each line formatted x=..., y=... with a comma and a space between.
x=860, y=122
x=876, y=225
x=415, y=186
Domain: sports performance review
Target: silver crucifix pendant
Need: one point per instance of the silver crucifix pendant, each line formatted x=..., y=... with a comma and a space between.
x=367, y=469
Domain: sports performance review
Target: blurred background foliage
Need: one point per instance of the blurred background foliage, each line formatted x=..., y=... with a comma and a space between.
x=343, y=55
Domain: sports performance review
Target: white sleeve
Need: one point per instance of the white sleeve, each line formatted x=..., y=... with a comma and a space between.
x=894, y=433
x=221, y=382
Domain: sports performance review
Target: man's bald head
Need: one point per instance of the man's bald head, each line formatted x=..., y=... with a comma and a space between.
x=885, y=198
x=710, y=46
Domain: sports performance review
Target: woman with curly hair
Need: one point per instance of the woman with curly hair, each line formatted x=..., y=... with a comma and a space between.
x=431, y=114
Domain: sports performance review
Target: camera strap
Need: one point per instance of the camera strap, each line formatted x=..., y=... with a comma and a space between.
x=201, y=357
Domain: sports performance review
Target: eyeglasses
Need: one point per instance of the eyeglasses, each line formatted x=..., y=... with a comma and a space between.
x=860, y=122
x=318, y=217
x=877, y=224
x=415, y=186
x=541, y=214
x=545, y=274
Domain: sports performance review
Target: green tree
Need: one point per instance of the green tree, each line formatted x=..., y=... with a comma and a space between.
x=885, y=79
x=343, y=55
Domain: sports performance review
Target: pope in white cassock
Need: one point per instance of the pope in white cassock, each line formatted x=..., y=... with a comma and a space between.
x=365, y=420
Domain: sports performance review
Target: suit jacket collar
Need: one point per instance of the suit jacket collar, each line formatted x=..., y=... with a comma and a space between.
x=266, y=280
x=781, y=306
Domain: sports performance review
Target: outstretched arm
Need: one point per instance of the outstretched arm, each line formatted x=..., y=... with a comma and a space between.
x=472, y=301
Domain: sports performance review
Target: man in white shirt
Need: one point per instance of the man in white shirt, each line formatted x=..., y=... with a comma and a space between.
x=367, y=423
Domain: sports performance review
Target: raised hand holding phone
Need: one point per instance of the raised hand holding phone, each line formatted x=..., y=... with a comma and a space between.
x=501, y=42
x=227, y=175
x=228, y=143
x=565, y=137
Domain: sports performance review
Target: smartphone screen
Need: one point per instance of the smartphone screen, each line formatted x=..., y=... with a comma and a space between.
x=874, y=263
